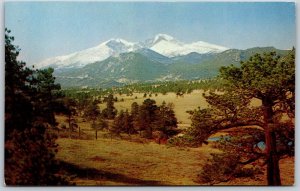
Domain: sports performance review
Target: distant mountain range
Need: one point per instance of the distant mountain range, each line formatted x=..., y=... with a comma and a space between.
x=162, y=58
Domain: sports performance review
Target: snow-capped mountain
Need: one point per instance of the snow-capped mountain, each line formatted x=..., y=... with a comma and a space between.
x=101, y=52
x=145, y=65
x=170, y=47
x=163, y=44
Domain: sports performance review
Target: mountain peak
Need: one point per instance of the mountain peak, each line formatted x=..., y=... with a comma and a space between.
x=118, y=41
x=163, y=44
x=168, y=46
x=160, y=37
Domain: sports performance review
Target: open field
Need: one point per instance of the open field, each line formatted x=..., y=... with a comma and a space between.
x=136, y=161
x=147, y=163
x=120, y=162
x=181, y=104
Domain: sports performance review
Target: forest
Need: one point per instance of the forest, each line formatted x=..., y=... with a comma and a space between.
x=235, y=129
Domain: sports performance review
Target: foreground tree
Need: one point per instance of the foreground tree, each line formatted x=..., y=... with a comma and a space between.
x=29, y=99
x=46, y=95
x=18, y=108
x=270, y=79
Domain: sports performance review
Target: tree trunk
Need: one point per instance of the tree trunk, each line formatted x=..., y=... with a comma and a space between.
x=273, y=171
x=78, y=131
x=69, y=121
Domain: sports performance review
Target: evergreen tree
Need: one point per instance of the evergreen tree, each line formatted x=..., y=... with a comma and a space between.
x=118, y=124
x=134, y=109
x=46, y=94
x=99, y=124
x=128, y=123
x=136, y=117
x=268, y=78
x=18, y=79
x=166, y=119
x=29, y=146
x=92, y=112
x=70, y=111
x=272, y=80
x=110, y=111
x=148, y=116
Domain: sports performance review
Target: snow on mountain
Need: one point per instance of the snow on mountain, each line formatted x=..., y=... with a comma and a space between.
x=170, y=47
x=106, y=49
x=163, y=44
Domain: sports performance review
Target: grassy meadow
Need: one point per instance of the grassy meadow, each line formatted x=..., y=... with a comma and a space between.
x=181, y=103
x=132, y=160
x=122, y=162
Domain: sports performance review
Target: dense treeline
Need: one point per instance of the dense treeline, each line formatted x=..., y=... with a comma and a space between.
x=178, y=87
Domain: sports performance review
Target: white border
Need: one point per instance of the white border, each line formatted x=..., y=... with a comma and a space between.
x=231, y=188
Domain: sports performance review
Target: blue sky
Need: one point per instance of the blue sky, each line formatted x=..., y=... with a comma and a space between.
x=47, y=29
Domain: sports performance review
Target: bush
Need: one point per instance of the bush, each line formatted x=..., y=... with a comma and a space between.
x=224, y=167
x=146, y=134
x=183, y=141
x=29, y=159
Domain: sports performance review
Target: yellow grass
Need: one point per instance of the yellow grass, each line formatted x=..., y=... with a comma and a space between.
x=121, y=162
x=148, y=163
x=181, y=104
x=135, y=161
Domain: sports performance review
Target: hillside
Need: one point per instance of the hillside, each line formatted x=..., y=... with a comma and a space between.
x=146, y=65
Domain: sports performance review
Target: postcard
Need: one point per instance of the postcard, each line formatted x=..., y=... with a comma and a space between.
x=149, y=93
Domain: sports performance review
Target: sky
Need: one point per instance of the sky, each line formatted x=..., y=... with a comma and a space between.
x=48, y=29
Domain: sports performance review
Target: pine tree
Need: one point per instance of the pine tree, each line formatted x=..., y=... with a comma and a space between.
x=110, y=111
x=148, y=116
x=167, y=122
x=18, y=107
x=268, y=78
x=29, y=146
x=92, y=111
x=70, y=111
x=118, y=124
x=99, y=124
